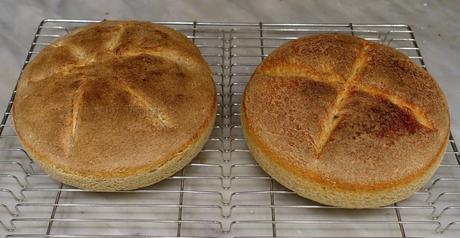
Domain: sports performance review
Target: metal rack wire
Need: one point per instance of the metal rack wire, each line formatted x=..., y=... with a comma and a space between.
x=223, y=192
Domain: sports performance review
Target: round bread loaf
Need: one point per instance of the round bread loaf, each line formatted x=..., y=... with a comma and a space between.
x=344, y=121
x=115, y=105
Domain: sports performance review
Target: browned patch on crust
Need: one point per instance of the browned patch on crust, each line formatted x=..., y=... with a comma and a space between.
x=386, y=119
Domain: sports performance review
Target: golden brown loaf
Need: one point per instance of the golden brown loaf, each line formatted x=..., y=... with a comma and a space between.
x=344, y=121
x=115, y=105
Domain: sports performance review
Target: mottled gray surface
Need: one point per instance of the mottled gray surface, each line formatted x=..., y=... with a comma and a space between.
x=435, y=24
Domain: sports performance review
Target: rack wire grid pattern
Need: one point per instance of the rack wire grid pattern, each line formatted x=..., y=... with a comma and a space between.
x=223, y=192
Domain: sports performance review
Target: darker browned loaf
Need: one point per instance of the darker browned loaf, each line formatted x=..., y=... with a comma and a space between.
x=344, y=121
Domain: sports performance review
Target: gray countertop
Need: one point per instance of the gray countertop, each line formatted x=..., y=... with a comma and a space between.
x=435, y=24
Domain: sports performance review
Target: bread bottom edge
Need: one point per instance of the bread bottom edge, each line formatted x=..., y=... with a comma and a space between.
x=133, y=181
x=327, y=195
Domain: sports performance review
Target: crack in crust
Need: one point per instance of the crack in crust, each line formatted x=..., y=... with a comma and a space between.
x=333, y=118
x=311, y=75
x=76, y=106
x=418, y=113
x=117, y=41
x=351, y=84
x=85, y=61
x=157, y=114
x=345, y=86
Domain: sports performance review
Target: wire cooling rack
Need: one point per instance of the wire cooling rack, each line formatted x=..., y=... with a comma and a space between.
x=223, y=192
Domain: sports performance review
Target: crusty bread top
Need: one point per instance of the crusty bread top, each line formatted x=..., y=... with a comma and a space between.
x=114, y=98
x=346, y=112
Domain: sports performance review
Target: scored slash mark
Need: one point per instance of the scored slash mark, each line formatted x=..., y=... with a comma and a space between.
x=332, y=119
x=145, y=104
x=138, y=99
x=351, y=84
x=76, y=106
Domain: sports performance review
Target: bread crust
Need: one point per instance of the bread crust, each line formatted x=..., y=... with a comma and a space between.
x=367, y=136
x=124, y=104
